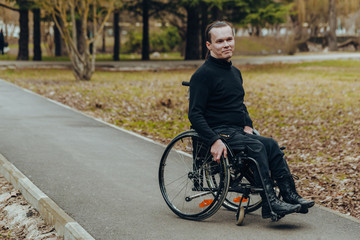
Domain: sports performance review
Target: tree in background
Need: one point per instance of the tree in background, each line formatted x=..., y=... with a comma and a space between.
x=146, y=9
x=37, y=33
x=332, y=25
x=23, y=53
x=23, y=7
x=116, y=29
x=319, y=14
x=192, y=49
x=259, y=14
x=58, y=40
x=304, y=15
x=80, y=36
x=191, y=17
x=145, y=50
x=308, y=18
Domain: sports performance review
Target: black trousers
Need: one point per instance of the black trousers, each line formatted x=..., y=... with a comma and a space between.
x=264, y=150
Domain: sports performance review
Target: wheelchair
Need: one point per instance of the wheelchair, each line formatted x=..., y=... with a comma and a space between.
x=194, y=186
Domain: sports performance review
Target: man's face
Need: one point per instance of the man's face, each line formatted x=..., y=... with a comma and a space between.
x=222, y=43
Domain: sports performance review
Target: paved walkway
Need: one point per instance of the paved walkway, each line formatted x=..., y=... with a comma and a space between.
x=164, y=65
x=106, y=178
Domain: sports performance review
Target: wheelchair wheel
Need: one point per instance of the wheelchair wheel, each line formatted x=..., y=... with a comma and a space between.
x=234, y=197
x=240, y=215
x=192, y=184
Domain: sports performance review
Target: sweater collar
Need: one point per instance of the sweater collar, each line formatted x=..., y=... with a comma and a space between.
x=220, y=62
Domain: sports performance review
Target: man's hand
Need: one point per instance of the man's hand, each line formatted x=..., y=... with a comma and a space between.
x=248, y=130
x=217, y=149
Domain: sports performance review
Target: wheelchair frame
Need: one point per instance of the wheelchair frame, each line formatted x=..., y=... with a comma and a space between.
x=194, y=186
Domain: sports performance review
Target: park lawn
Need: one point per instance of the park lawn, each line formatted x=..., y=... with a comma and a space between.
x=103, y=57
x=311, y=108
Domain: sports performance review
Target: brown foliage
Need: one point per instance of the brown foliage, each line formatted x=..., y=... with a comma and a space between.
x=313, y=109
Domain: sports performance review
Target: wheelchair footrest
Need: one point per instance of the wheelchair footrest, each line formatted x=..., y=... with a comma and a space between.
x=276, y=217
x=244, y=187
x=257, y=190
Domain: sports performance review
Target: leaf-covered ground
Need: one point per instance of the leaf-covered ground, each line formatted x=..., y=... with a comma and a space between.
x=19, y=220
x=311, y=108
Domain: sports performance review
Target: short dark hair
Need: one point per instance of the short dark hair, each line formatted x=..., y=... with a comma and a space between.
x=216, y=24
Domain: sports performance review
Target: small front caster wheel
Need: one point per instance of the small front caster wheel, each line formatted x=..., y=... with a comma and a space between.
x=240, y=215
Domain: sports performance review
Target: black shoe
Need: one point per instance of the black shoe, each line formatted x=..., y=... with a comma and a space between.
x=277, y=206
x=289, y=194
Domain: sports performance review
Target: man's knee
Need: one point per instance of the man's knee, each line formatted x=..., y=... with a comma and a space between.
x=270, y=144
x=256, y=147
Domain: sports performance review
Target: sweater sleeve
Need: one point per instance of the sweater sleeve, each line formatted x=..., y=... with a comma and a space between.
x=199, y=93
x=248, y=121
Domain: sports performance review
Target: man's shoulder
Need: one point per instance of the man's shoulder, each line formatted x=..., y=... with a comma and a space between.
x=204, y=69
x=203, y=76
x=235, y=69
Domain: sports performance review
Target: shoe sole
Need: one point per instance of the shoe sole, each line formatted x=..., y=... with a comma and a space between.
x=305, y=208
x=283, y=213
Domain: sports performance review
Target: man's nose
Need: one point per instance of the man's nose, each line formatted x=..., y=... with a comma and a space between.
x=226, y=44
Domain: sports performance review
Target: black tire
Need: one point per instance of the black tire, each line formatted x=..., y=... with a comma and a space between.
x=185, y=169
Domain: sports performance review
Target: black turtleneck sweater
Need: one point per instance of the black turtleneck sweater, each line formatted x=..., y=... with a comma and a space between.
x=217, y=98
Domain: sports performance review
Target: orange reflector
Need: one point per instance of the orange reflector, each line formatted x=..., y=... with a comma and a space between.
x=205, y=203
x=237, y=200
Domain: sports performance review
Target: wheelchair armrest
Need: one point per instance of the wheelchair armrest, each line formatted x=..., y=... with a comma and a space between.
x=186, y=84
x=256, y=132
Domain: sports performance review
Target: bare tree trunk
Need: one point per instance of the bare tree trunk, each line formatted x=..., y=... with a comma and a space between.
x=23, y=53
x=204, y=23
x=332, y=23
x=80, y=56
x=57, y=39
x=145, y=52
x=103, y=47
x=82, y=65
x=80, y=36
x=192, y=50
x=116, y=36
x=37, y=34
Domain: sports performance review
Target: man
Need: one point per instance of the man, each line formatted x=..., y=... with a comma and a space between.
x=217, y=109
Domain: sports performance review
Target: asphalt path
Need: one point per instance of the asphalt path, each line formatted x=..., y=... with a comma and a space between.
x=106, y=178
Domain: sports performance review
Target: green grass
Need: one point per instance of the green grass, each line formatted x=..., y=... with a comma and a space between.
x=171, y=56
x=7, y=57
x=260, y=45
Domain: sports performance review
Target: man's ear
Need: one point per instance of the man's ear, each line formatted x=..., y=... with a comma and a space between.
x=208, y=45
